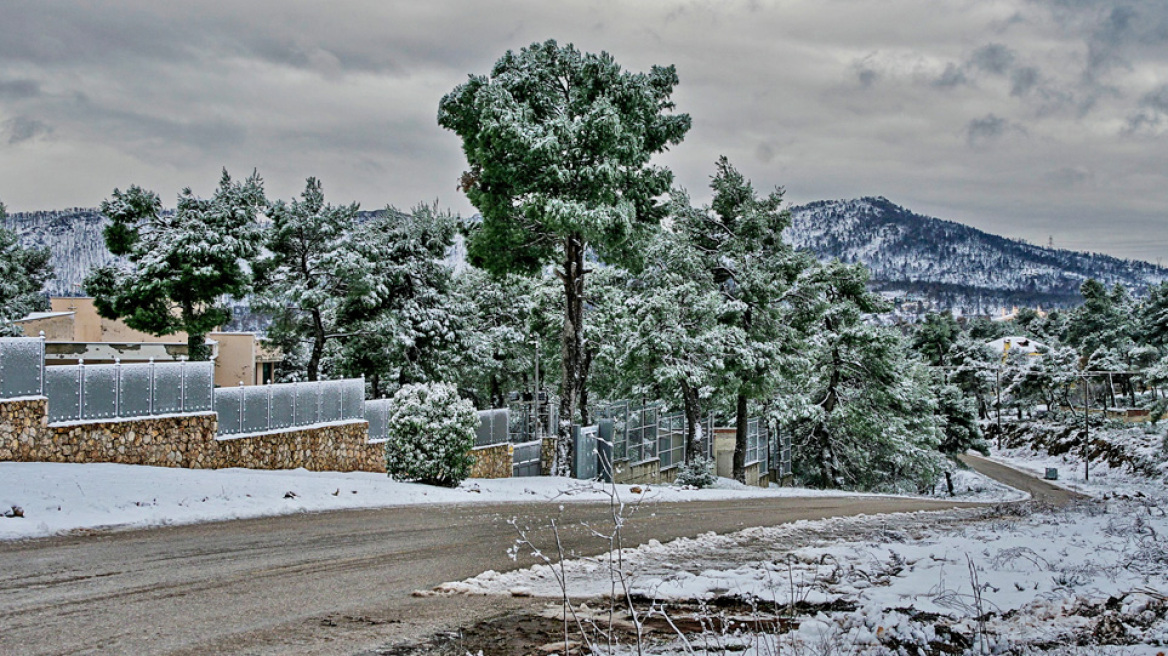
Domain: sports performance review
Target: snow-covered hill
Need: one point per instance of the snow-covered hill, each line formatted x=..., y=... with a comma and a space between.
x=952, y=264
x=949, y=264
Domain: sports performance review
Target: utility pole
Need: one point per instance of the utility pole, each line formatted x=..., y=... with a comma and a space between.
x=535, y=399
x=1086, y=430
x=998, y=385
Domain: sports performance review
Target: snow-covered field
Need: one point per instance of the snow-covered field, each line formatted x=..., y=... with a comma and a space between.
x=874, y=583
x=1088, y=579
x=59, y=498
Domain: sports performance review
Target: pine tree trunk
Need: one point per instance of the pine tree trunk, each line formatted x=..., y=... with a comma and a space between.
x=693, y=446
x=317, y=346
x=740, y=420
x=197, y=349
x=571, y=348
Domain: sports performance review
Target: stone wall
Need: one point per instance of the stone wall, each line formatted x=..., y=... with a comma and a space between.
x=332, y=447
x=181, y=441
x=547, y=456
x=493, y=461
x=22, y=422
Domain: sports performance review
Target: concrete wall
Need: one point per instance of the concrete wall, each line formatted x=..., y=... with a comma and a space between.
x=181, y=441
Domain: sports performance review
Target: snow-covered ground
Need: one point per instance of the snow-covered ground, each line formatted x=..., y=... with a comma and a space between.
x=872, y=583
x=58, y=498
x=1088, y=579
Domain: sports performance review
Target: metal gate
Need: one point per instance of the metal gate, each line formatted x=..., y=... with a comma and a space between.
x=585, y=457
x=526, y=459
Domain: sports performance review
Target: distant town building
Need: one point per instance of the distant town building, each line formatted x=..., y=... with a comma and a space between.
x=75, y=332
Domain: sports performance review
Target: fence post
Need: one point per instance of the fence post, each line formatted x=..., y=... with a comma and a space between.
x=80, y=388
x=242, y=399
x=319, y=399
x=41, y=371
x=182, y=383
x=295, y=394
x=117, y=387
x=269, y=386
x=151, y=386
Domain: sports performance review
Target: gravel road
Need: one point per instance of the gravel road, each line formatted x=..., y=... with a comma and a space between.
x=326, y=583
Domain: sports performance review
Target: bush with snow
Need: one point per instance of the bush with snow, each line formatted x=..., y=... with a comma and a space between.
x=431, y=433
x=696, y=473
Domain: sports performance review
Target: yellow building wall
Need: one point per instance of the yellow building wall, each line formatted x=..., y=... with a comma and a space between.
x=236, y=361
x=56, y=329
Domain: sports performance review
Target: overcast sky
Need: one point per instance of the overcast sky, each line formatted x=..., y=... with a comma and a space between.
x=1029, y=118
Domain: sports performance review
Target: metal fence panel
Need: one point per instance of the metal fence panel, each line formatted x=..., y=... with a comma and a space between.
x=168, y=381
x=99, y=391
x=228, y=405
x=494, y=426
x=352, y=398
x=307, y=403
x=63, y=389
x=331, y=396
x=22, y=364
x=198, y=386
x=283, y=406
x=671, y=441
x=255, y=409
x=377, y=414
x=134, y=391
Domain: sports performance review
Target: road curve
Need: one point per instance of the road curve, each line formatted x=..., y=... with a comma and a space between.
x=326, y=583
x=1041, y=491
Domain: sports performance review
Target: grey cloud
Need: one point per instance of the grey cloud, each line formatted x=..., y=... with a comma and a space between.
x=952, y=76
x=1153, y=112
x=988, y=128
x=866, y=76
x=764, y=153
x=1023, y=80
x=993, y=58
x=1071, y=176
x=22, y=128
x=19, y=89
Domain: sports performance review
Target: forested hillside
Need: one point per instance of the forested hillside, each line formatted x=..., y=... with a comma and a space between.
x=952, y=264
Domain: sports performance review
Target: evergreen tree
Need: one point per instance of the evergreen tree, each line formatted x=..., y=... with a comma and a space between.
x=181, y=266
x=935, y=336
x=1154, y=317
x=866, y=415
x=400, y=324
x=23, y=272
x=959, y=429
x=672, y=344
x=558, y=143
x=500, y=352
x=310, y=270
x=740, y=238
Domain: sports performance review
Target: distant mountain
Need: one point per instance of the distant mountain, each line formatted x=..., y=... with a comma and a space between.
x=953, y=265
x=947, y=264
x=74, y=237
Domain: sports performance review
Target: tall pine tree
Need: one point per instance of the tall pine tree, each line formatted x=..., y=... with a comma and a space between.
x=558, y=144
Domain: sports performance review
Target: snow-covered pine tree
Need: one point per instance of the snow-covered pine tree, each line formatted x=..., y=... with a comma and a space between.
x=399, y=323
x=558, y=144
x=867, y=419
x=672, y=345
x=499, y=351
x=308, y=273
x=740, y=237
x=23, y=272
x=179, y=267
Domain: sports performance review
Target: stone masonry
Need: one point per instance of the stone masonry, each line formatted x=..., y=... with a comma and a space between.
x=492, y=461
x=181, y=441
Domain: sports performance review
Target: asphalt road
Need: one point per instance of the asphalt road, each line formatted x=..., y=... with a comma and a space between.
x=326, y=583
